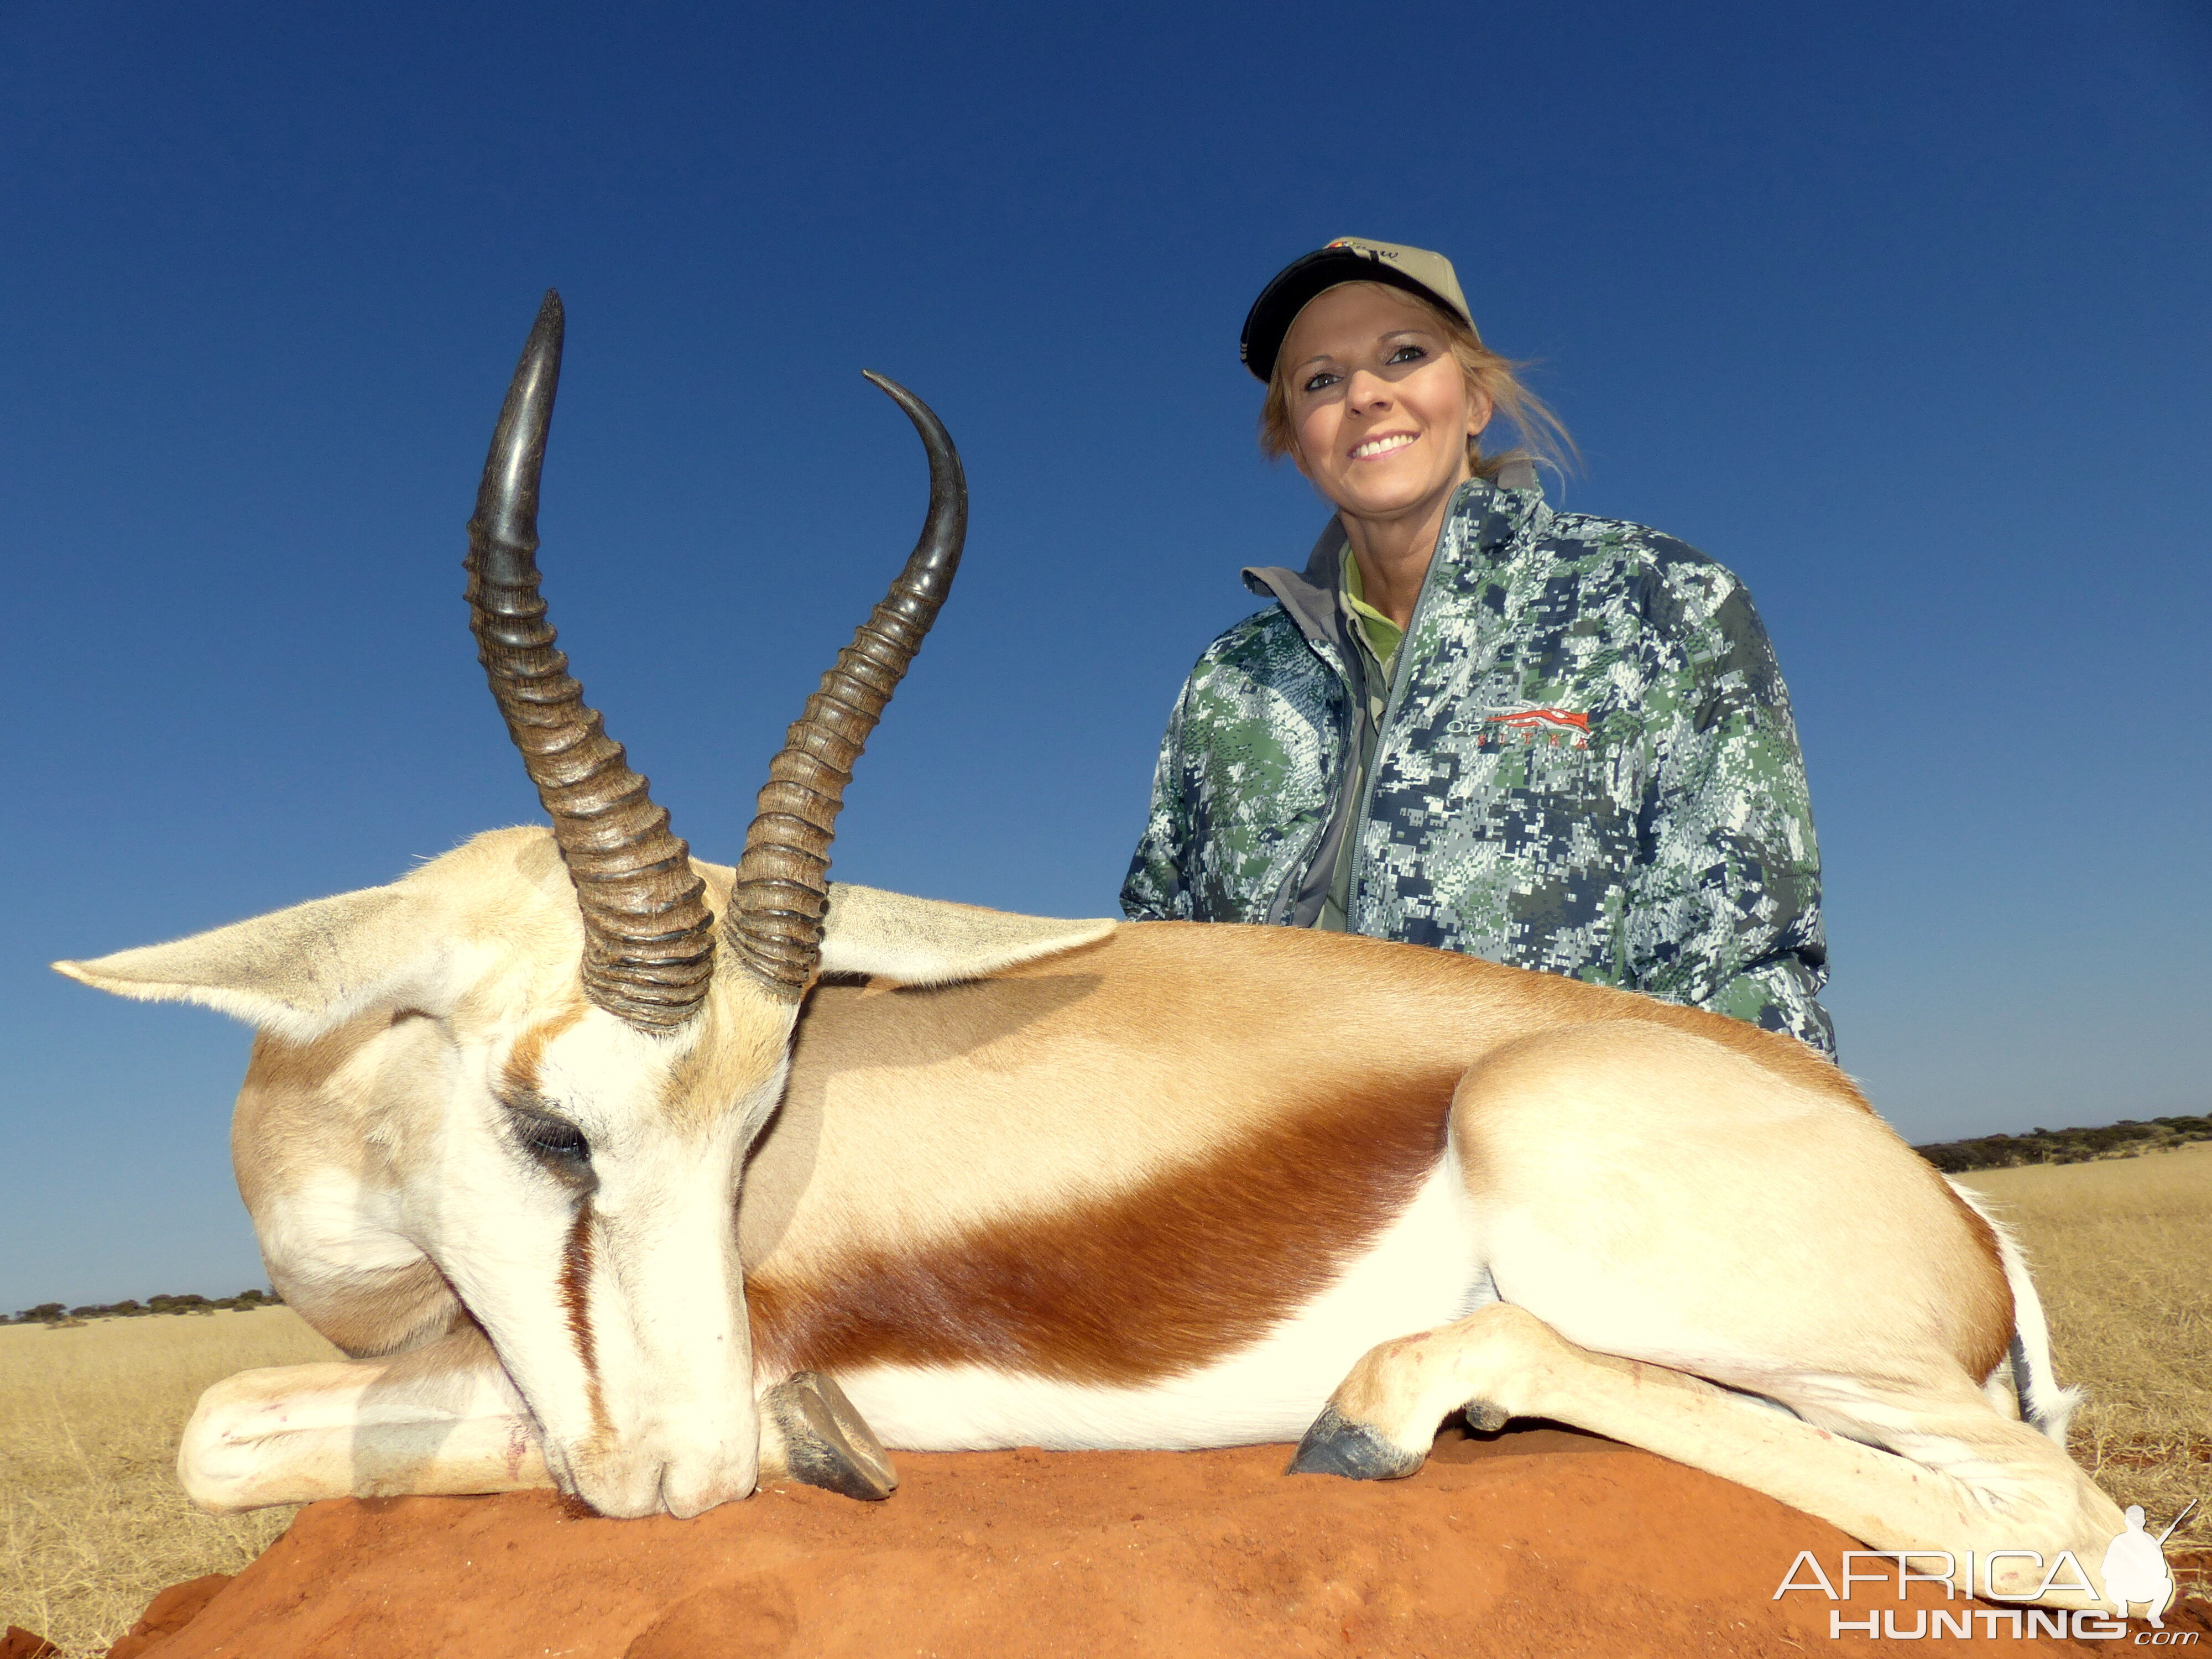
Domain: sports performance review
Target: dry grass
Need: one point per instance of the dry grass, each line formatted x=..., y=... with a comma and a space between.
x=2122, y=1251
x=92, y=1523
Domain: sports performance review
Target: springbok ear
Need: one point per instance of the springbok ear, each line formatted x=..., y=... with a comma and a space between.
x=919, y=941
x=297, y=973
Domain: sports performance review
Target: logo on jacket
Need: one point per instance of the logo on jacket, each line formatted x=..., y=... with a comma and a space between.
x=1558, y=728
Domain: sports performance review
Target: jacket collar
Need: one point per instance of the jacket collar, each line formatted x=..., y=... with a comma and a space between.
x=1486, y=513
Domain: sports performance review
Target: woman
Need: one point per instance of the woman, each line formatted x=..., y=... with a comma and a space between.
x=1542, y=739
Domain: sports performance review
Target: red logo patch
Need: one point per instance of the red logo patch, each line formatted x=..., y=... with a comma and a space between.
x=1557, y=728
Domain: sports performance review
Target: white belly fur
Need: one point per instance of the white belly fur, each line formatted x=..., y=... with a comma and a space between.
x=1422, y=1272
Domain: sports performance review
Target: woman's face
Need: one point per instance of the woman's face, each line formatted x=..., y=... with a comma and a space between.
x=1379, y=408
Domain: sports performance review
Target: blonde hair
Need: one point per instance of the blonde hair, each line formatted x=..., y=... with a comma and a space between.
x=1543, y=437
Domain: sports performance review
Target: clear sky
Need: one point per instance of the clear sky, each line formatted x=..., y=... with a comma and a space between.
x=1899, y=311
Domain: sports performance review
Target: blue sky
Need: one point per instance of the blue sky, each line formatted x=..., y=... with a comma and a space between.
x=1898, y=310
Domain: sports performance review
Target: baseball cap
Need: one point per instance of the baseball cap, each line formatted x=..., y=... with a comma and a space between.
x=1346, y=259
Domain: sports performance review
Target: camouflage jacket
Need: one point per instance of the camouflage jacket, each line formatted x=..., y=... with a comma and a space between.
x=1586, y=764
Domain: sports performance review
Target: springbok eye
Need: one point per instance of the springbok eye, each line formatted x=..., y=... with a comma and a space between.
x=553, y=1139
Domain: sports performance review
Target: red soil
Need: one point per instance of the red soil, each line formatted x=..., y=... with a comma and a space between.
x=167, y=1613
x=1538, y=1542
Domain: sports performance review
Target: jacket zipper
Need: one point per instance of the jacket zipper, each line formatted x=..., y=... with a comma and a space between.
x=1401, y=677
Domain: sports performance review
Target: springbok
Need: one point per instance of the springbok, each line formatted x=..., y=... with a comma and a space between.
x=1010, y=1181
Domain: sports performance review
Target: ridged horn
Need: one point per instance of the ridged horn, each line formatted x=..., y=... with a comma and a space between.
x=648, y=936
x=774, y=926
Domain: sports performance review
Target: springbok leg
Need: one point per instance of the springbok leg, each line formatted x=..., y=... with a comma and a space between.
x=440, y=1418
x=1977, y=1481
x=445, y=1419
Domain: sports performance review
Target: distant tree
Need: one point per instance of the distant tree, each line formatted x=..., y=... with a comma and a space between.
x=52, y=1313
x=2122, y=1140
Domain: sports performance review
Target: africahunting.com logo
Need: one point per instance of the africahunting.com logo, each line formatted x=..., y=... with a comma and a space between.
x=2133, y=1571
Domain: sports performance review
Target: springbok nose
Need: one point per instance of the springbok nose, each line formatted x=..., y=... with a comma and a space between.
x=684, y=1493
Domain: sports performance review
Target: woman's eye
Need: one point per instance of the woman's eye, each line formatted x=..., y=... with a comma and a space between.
x=1407, y=354
x=1321, y=381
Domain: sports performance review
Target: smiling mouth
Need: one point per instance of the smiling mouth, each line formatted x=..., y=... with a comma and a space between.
x=1383, y=444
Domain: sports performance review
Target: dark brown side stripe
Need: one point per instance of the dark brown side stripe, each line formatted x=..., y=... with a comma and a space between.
x=576, y=1301
x=1155, y=1282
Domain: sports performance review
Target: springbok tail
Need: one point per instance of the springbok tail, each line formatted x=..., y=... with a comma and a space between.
x=2043, y=1404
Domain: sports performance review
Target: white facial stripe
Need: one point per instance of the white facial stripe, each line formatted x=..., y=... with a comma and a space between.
x=611, y=1285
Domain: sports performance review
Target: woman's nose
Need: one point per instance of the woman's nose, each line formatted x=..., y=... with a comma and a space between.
x=1366, y=390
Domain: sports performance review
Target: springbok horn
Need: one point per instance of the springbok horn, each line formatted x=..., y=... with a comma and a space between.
x=774, y=922
x=648, y=936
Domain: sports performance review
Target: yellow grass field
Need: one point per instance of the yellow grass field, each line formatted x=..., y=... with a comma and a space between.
x=2121, y=1253
x=92, y=1524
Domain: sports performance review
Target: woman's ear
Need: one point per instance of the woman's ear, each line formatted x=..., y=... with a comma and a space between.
x=1479, y=411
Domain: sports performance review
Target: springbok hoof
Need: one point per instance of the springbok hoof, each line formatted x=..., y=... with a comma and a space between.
x=1484, y=1417
x=827, y=1443
x=1337, y=1445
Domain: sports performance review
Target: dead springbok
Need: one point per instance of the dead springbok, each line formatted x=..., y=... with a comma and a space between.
x=1020, y=1181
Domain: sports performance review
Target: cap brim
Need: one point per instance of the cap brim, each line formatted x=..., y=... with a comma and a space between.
x=1298, y=282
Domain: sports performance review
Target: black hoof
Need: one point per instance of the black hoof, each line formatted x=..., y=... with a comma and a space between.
x=826, y=1442
x=1336, y=1445
x=1484, y=1417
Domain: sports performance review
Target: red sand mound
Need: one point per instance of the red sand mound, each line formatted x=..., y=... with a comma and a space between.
x=1534, y=1543
x=167, y=1613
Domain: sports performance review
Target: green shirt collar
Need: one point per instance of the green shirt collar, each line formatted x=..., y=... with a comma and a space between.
x=1383, y=636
